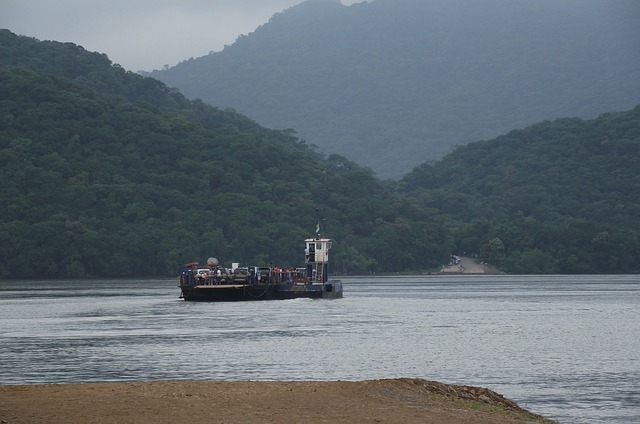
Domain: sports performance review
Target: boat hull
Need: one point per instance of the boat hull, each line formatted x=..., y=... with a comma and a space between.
x=248, y=292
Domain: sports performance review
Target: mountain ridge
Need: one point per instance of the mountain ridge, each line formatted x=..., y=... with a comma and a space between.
x=391, y=85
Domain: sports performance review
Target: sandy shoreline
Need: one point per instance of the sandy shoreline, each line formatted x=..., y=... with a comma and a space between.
x=374, y=401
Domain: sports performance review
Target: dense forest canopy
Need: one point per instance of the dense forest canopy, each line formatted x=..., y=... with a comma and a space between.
x=391, y=84
x=556, y=197
x=108, y=173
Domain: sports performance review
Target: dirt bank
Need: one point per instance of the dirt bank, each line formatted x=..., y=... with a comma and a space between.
x=375, y=401
x=469, y=266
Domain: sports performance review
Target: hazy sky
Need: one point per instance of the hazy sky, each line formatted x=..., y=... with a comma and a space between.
x=141, y=34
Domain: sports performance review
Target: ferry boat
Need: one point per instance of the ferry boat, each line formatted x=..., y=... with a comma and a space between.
x=214, y=283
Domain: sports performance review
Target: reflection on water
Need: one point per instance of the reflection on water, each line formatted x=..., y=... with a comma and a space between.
x=562, y=346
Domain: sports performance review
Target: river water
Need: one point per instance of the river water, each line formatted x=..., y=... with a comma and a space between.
x=567, y=347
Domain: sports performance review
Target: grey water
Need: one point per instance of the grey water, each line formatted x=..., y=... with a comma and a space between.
x=566, y=347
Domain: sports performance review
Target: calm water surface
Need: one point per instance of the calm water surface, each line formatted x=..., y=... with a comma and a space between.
x=566, y=347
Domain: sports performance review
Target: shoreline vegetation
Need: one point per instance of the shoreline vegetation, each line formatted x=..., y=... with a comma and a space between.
x=401, y=400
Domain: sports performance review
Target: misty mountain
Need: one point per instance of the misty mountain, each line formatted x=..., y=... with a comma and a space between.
x=391, y=84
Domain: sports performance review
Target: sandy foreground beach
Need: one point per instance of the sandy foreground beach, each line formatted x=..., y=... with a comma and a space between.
x=376, y=401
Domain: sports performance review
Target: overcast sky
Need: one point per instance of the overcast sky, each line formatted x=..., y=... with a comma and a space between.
x=141, y=34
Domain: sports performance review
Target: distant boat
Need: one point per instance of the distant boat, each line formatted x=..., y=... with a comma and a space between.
x=214, y=283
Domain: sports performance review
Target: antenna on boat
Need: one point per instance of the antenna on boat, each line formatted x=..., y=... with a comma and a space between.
x=318, y=226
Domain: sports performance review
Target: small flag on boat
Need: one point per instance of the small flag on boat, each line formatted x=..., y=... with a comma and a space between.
x=318, y=228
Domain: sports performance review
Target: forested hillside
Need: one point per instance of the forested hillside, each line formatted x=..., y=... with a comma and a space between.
x=391, y=84
x=556, y=197
x=107, y=173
